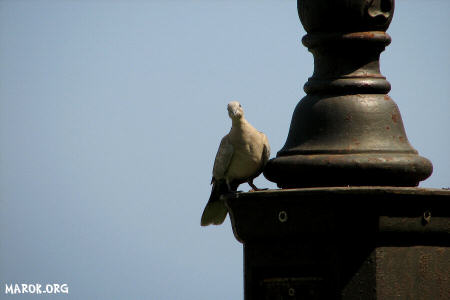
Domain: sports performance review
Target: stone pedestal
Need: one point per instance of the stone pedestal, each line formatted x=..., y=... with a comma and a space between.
x=344, y=243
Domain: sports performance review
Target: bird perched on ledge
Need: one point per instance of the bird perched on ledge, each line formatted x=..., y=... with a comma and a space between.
x=241, y=157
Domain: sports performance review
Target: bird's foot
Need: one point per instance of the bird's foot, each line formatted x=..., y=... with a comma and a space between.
x=256, y=190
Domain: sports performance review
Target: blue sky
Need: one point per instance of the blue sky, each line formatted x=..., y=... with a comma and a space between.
x=111, y=113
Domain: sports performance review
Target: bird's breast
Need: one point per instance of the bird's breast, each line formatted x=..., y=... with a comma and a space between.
x=246, y=161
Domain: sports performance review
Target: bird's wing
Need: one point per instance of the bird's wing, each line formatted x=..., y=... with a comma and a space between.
x=215, y=211
x=223, y=158
x=266, y=150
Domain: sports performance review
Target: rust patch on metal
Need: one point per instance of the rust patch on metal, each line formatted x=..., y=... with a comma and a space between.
x=417, y=272
x=361, y=35
x=374, y=159
x=395, y=118
x=356, y=142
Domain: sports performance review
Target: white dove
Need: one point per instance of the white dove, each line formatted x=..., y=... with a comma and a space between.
x=241, y=157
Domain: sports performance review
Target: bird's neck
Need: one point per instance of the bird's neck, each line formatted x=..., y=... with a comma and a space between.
x=238, y=123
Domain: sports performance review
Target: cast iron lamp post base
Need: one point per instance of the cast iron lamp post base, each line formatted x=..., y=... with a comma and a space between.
x=344, y=243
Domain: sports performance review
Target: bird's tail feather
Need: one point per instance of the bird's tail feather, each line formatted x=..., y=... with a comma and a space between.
x=215, y=211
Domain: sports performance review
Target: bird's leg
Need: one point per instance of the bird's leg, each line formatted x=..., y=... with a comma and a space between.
x=228, y=185
x=230, y=190
x=250, y=183
x=254, y=188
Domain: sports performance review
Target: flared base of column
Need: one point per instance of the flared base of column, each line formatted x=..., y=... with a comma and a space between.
x=368, y=169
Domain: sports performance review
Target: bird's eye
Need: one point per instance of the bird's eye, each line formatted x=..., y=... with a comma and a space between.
x=240, y=105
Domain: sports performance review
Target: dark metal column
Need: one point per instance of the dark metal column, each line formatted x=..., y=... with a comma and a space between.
x=347, y=130
x=344, y=243
x=349, y=222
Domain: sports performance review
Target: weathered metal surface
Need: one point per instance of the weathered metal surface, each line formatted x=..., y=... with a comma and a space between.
x=344, y=243
x=382, y=240
x=347, y=130
x=292, y=288
x=417, y=272
x=279, y=214
x=345, y=15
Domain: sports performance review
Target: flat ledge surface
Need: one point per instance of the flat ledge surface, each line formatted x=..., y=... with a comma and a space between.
x=352, y=190
x=359, y=211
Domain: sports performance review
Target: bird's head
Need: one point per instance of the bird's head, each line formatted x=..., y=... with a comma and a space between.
x=235, y=110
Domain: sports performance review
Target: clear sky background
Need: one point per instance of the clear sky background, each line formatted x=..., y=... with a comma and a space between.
x=111, y=113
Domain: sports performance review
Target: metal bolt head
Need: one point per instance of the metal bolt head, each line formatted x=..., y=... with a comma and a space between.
x=282, y=216
x=426, y=218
